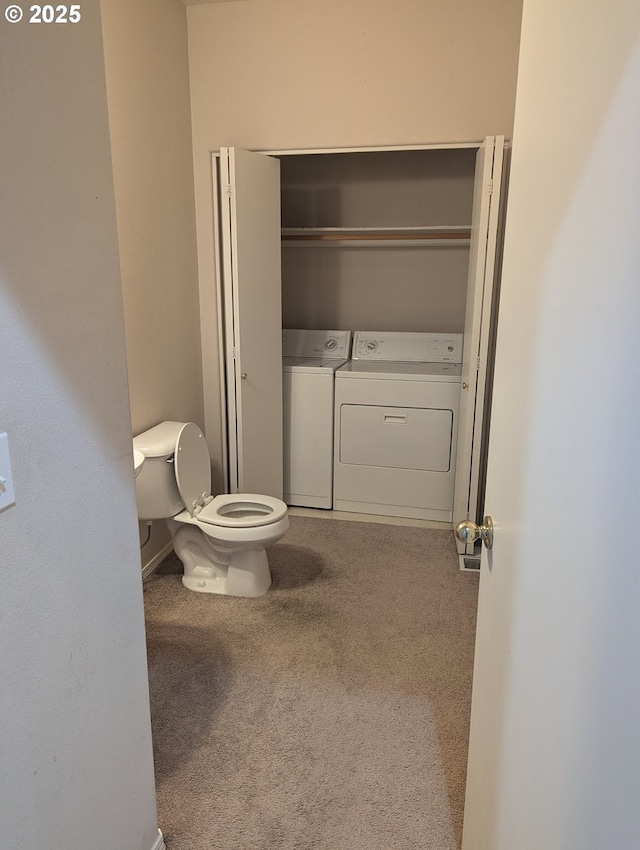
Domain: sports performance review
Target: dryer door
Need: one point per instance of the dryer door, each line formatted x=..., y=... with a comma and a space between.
x=396, y=437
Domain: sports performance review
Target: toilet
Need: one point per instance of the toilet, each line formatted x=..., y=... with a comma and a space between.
x=221, y=540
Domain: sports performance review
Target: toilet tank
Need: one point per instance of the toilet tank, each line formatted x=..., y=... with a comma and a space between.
x=156, y=488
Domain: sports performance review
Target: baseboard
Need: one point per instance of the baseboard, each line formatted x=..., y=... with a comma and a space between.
x=159, y=844
x=150, y=568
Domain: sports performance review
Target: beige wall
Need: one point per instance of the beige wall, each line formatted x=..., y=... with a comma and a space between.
x=76, y=768
x=377, y=288
x=337, y=73
x=306, y=74
x=149, y=113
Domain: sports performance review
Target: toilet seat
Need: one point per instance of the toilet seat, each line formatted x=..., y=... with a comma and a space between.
x=242, y=510
x=193, y=476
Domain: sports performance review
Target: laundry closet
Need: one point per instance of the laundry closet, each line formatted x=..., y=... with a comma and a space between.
x=395, y=240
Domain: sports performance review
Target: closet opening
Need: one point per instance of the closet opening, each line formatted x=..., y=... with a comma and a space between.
x=394, y=241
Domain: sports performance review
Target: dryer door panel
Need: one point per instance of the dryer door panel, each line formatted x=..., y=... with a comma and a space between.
x=396, y=437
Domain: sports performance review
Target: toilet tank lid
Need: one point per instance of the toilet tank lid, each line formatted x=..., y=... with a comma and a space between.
x=159, y=441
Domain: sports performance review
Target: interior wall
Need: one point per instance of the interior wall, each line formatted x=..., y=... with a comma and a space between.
x=298, y=74
x=147, y=69
x=378, y=189
x=340, y=73
x=375, y=289
x=76, y=768
x=345, y=287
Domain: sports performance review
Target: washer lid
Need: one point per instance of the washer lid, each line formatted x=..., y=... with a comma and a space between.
x=310, y=365
x=193, y=468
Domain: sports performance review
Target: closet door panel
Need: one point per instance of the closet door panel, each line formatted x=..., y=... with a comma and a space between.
x=250, y=225
x=482, y=259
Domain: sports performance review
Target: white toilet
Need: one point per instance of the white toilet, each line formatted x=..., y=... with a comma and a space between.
x=220, y=540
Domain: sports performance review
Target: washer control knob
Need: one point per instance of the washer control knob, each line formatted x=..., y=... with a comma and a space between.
x=331, y=344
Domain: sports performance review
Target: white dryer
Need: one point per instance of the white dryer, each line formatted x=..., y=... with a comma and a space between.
x=309, y=362
x=396, y=422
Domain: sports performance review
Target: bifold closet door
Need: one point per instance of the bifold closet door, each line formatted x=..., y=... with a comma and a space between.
x=250, y=242
x=477, y=330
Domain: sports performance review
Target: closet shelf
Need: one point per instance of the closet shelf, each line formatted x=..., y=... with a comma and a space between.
x=358, y=237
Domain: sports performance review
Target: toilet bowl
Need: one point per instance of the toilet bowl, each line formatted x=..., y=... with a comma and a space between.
x=220, y=540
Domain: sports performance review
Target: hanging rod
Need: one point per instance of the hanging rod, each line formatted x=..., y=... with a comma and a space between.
x=439, y=235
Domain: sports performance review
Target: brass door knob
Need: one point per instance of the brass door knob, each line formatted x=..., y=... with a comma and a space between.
x=468, y=532
x=244, y=376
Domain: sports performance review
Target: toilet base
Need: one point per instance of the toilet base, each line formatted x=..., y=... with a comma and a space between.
x=212, y=569
x=251, y=577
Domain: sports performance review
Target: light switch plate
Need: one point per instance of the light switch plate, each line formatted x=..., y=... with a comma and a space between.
x=7, y=496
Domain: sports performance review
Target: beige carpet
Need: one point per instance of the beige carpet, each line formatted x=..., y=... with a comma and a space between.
x=331, y=713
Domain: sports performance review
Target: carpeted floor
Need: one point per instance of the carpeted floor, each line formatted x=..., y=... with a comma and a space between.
x=331, y=713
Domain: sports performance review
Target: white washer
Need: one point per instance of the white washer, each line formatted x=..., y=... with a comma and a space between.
x=396, y=422
x=310, y=359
